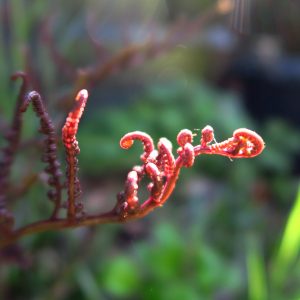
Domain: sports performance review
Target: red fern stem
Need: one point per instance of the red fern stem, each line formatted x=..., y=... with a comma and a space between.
x=69, y=132
x=163, y=171
x=50, y=148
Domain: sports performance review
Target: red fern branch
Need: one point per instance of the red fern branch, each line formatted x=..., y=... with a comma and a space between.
x=158, y=165
x=244, y=144
x=50, y=152
x=69, y=132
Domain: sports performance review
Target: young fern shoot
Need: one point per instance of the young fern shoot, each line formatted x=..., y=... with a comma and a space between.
x=69, y=132
x=163, y=170
x=159, y=165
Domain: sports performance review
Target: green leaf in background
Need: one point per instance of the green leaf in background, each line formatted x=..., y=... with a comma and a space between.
x=257, y=285
x=289, y=246
x=87, y=283
x=120, y=277
x=178, y=291
x=167, y=256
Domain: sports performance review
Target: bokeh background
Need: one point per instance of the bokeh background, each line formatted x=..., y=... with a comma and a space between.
x=231, y=229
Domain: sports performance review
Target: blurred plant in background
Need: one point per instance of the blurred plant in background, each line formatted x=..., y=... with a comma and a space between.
x=227, y=234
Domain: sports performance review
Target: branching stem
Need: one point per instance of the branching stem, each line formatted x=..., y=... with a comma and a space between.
x=158, y=165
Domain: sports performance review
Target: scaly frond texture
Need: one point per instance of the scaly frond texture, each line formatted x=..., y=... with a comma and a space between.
x=72, y=150
x=159, y=165
x=8, y=155
x=50, y=148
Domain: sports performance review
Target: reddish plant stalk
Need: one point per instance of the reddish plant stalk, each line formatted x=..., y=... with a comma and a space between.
x=9, y=152
x=159, y=166
x=69, y=132
x=50, y=152
x=244, y=144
